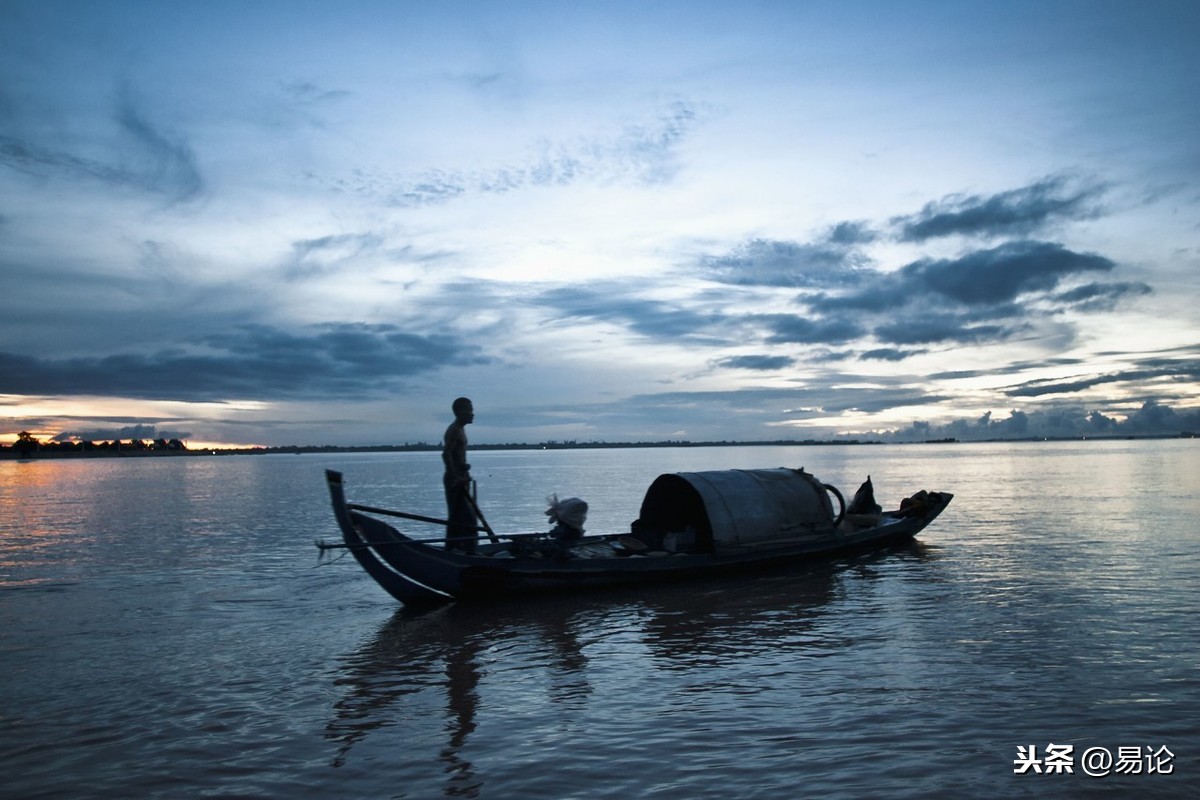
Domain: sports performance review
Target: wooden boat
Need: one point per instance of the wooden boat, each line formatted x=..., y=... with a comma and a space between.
x=691, y=524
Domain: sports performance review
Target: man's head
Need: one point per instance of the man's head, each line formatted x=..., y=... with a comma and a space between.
x=464, y=411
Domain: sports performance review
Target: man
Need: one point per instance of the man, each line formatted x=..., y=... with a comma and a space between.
x=460, y=512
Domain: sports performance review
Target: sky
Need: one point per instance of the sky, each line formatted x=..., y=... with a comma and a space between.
x=317, y=223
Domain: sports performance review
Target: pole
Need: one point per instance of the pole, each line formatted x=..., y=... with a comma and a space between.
x=479, y=514
x=402, y=515
x=322, y=545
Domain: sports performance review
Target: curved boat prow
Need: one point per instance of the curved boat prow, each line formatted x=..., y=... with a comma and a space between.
x=355, y=533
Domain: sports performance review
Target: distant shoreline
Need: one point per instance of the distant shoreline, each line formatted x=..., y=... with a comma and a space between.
x=11, y=452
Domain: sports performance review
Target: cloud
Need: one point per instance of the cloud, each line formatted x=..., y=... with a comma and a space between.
x=1014, y=366
x=308, y=93
x=1002, y=273
x=982, y=277
x=143, y=157
x=319, y=256
x=1188, y=370
x=656, y=319
x=1152, y=418
x=162, y=163
x=934, y=328
x=852, y=233
x=137, y=431
x=1100, y=296
x=982, y=295
x=793, y=328
x=1018, y=212
x=764, y=262
x=833, y=258
x=757, y=362
x=740, y=413
x=250, y=362
x=644, y=154
x=888, y=354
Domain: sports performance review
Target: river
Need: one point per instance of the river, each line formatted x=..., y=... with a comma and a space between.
x=166, y=630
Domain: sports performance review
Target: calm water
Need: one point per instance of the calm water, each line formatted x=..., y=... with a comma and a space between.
x=165, y=631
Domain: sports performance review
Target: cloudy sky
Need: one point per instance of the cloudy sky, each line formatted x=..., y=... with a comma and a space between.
x=320, y=222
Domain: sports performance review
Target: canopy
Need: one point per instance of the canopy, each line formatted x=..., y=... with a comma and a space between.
x=735, y=506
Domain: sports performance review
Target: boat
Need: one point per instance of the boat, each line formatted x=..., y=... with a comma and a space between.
x=690, y=525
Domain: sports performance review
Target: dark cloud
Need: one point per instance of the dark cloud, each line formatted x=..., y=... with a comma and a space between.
x=652, y=318
x=1184, y=371
x=796, y=329
x=1154, y=417
x=1002, y=273
x=943, y=328
x=852, y=233
x=757, y=362
x=250, y=362
x=888, y=354
x=978, y=297
x=982, y=277
x=981, y=297
x=1018, y=212
x=826, y=356
x=1011, y=367
x=1100, y=296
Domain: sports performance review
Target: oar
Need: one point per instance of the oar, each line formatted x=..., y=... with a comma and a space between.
x=403, y=515
x=322, y=545
x=479, y=514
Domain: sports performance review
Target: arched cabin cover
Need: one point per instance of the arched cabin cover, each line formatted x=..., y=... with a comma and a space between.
x=704, y=509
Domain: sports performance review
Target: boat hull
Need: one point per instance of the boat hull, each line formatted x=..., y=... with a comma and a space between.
x=417, y=573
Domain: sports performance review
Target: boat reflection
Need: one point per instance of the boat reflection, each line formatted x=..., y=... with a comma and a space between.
x=509, y=657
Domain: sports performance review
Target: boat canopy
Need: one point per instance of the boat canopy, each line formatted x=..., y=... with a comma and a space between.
x=731, y=507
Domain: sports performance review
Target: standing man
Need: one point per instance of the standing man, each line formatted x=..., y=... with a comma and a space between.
x=460, y=513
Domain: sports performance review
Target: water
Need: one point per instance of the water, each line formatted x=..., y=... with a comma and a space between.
x=165, y=632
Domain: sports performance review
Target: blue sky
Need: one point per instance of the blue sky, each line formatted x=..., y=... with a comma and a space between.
x=317, y=223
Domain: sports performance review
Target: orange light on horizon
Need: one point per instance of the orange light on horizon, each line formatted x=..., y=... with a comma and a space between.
x=41, y=436
x=195, y=445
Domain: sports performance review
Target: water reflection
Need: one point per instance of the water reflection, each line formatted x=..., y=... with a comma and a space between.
x=449, y=650
x=462, y=682
x=441, y=669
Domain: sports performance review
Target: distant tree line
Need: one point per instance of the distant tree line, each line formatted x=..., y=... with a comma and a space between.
x=28, y=446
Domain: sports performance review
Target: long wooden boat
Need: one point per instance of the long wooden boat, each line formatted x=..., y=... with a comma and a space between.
x=691, y=524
